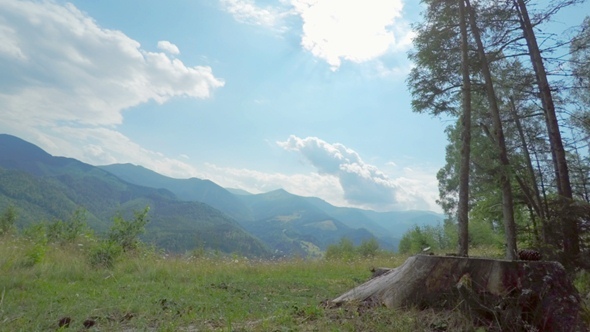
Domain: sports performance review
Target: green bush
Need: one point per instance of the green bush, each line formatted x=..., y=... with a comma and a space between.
x=419, y=238
x=369, y=248
x=35, y=254
x=104, y=254
x=344, y=249
x=123, y=236
x=126, y=233
x=481, y=234
x=8, y=220
x=37, y=236
x=69, y=231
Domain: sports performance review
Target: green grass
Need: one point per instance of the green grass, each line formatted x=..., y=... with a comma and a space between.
x=148, y=291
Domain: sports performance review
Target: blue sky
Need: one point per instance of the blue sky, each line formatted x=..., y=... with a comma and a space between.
x=304, y=95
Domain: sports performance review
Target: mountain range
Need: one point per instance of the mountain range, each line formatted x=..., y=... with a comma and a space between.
x=187, y=213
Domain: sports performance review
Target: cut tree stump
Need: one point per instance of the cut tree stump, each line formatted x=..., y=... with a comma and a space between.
x=512, y=295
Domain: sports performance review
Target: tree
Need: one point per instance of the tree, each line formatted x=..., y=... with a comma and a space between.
x=435, y=84
x=511, y=148
x=571, y=245
x=580, y=65
x=463, y=209
x=437, y=87
x=498, y=134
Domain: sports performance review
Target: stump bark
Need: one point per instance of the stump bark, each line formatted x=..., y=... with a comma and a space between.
x=512, y=295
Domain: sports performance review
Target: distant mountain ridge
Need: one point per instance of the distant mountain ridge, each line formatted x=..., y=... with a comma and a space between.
x=264, y=215
x=43, y=187
x=286, y=224
x=192, y=189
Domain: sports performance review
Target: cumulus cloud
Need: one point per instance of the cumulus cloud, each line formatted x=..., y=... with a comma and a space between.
x=362, y=184
x=65, y=79
x=168, y=47
x=58, y=64
x=356, y=31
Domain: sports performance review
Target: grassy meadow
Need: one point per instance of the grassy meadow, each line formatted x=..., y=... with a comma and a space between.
x=42, y=288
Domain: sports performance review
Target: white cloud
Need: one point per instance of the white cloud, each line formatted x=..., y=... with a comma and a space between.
x=355, y=30
x=168, y=47
x=58, y=65
x=362, y=184
x=335, y=30
x=65, y=81
x=246, y=11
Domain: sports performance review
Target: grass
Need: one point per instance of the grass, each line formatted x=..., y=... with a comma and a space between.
x=148, y=291
x=153, y=292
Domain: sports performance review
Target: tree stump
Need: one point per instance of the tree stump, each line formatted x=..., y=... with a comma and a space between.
x=513, y=295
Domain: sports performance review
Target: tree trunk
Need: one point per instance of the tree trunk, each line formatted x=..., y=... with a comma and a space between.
x=571, y=245
x=510, y=294
x=545, y=206
x=463, y=208
x=536, y=201
x=507, y=199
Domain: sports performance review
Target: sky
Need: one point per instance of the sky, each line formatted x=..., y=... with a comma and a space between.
x=305, y=95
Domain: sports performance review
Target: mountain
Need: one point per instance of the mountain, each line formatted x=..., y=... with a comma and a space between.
x=286, y=223
x=44, y=187
x=192, y=189
x=188, y=212
x=352, y=217
x=237, y=191
x=289, y=224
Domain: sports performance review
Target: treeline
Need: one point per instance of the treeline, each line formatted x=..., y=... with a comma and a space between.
x=517, y=159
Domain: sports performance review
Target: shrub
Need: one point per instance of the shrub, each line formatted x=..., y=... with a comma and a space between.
x=346, y=250
x=368, y=248
x=38, y=244
x=67, y=231
x=126, y=233
x=35, y=254
x=341, y=250
x=8, y=220
x=415, y=240
x=104, y=254
x=122, y=236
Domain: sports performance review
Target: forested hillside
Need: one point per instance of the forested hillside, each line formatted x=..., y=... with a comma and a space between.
x=45, y=188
